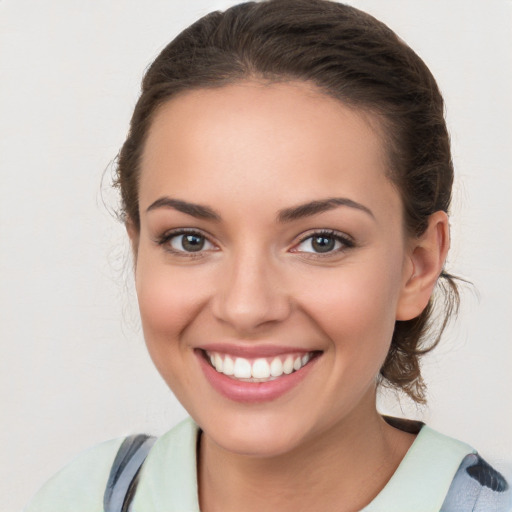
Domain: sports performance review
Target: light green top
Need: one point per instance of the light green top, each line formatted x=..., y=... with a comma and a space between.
x=168, y=480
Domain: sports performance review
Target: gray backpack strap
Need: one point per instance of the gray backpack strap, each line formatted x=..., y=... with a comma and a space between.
x=478, y=487
x=123, y=478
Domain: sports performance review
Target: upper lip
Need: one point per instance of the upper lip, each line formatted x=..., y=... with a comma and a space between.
x=253, y=351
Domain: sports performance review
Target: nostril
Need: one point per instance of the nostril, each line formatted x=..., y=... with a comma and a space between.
x=246, y=312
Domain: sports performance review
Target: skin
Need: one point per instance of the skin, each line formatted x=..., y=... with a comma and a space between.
x=248, y=151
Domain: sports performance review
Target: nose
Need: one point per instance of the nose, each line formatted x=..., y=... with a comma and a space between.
x=250, y=294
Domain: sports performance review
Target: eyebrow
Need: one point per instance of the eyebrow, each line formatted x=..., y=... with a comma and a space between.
x=319, y=206
x=195, y=210
x=286, y=215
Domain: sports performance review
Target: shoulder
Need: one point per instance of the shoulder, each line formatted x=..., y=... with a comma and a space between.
x=80, y=485
x=478, y=487
x=444, y=474
x=170, y=467
x=472, y=484
x=168, y=479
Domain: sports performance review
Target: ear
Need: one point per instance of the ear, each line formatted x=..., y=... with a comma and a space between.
x=134, y=235
x=426, y=257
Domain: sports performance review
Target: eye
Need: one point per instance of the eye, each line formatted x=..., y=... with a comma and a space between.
x=185, y=242
x=324, y=242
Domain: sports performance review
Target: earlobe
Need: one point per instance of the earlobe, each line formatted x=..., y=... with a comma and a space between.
x=426, y=260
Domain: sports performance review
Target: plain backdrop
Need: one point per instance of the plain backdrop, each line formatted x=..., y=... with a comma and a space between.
x=73, y=366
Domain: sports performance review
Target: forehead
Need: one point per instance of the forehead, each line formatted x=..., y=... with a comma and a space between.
x=282, y=142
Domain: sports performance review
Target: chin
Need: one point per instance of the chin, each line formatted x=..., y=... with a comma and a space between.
x=256, y=435
x=259, y=444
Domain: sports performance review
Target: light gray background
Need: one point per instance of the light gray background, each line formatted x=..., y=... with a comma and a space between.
x=73, y=366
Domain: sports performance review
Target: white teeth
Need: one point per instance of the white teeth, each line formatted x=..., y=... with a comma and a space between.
x=276, y=367
x=242, y=369
x=218, y=363
x=260, y=369
x=228, y=367
x=288, y=365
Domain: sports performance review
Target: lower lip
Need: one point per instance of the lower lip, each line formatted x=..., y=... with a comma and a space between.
x=252, y=392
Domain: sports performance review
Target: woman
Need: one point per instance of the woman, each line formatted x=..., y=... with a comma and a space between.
x=285, y=186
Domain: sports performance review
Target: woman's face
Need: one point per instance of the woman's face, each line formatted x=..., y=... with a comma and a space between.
x=271, y=243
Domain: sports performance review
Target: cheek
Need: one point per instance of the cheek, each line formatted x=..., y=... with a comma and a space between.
x=158, y=303
x=168, y=302
x=168, y=299
x=356, y=308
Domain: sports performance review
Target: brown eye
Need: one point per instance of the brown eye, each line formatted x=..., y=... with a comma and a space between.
x=323, y=243
x=189, y=242
x=192, y=243
x=320, y=244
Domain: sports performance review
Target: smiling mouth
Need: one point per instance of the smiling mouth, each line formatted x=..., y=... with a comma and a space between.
x=262, y=369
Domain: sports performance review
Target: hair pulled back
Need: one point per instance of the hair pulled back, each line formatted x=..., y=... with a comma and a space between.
x=350, y=56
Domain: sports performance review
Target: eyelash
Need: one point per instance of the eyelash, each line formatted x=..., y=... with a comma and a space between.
x=346, y=242
x=169, y=235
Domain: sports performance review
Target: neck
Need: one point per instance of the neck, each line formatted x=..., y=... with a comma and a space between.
x=341, y=469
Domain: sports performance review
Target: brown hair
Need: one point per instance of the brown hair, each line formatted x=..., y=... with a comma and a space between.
x=349, y=55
